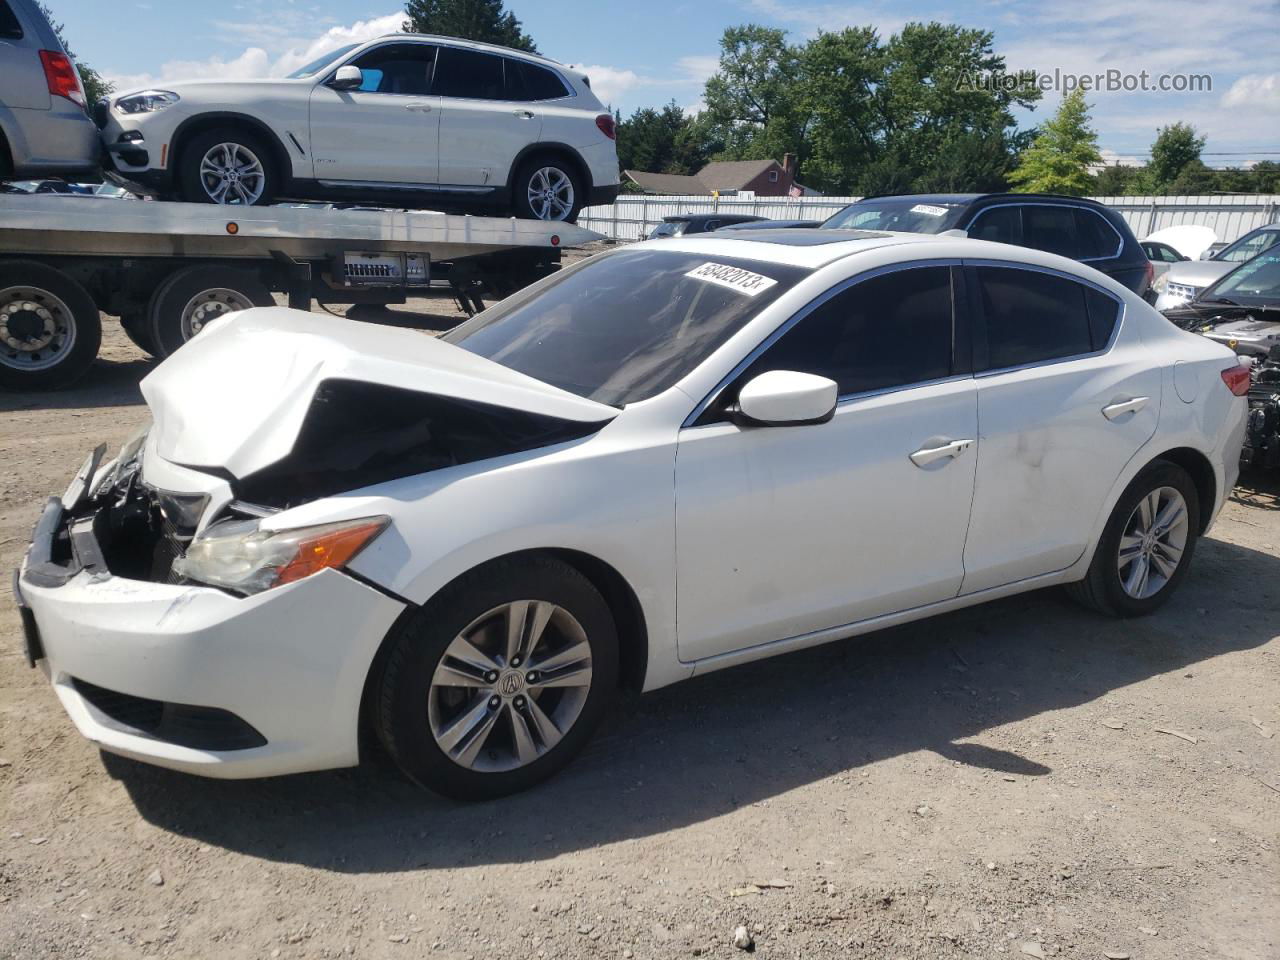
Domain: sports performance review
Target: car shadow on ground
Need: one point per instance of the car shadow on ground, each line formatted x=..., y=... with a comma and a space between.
x=702, y=748
x=1258, y=488
x=109, y=383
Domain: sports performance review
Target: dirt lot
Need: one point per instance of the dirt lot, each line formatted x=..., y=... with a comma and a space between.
x=1022, y=779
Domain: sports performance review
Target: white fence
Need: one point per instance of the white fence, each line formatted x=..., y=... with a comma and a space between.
x=631, y=217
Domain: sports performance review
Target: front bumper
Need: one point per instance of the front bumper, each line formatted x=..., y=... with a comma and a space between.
x=196, y=679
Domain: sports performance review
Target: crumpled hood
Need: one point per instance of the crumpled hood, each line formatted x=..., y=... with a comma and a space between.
x=235, y=397
x=1198, y=273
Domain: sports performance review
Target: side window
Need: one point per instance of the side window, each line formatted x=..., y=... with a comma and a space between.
x=397, y=68
x=1051, y=229
x=469, y=74
x=528, y=82
x=1032, y=316
x=999, y=225
x=1169, y=254
x=886, y=331
x=1104, y=314
x=10, y=28
x=1095, y=237
x=1252, y=247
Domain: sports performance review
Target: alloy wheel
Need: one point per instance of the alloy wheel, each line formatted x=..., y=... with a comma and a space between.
x=510, y=686
x=550, y=194
x=1153, y=542
x=37, y=330
x=232, y=173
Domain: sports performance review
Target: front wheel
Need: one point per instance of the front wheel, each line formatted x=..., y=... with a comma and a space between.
x=1146, y=546
x=227, y=166
x=547, y=188
x=494, y=685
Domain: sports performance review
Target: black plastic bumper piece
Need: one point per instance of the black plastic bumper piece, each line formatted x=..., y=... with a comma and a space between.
x=200, y=728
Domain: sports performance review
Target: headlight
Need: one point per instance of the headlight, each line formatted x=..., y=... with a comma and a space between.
x=148, y=101
x=237, y=555
x=1161, y=282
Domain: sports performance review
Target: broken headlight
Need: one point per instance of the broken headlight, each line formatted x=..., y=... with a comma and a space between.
x=237, y=555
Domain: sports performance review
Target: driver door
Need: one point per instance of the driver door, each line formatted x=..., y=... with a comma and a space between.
x=784, y=531
x=387, y=132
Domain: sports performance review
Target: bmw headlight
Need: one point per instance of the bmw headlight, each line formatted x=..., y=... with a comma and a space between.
x=238, y=555
x=148, y=101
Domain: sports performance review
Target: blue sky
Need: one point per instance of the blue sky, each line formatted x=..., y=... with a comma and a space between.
x=647, y=53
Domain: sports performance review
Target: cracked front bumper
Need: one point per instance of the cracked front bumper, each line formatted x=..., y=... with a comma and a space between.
x=196, y=679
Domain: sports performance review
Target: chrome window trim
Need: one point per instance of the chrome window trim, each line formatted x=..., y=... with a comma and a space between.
x=1066, y=206
x=782, y=329
x=1036, y=268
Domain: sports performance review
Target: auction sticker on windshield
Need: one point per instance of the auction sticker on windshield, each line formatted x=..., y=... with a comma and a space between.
x=735, y=278
x=929, y=208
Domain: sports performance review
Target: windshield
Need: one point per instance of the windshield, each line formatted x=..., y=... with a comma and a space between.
x=669, y=228
x=1248, y=246
x=622, y=327
x=1256, y=281
x=319, y=63
x=908, y=214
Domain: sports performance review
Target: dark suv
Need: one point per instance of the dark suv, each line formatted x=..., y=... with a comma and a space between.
x=1083, y=230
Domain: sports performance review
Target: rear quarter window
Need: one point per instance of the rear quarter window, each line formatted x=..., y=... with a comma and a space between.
x=10, y=28
x=1096, y=238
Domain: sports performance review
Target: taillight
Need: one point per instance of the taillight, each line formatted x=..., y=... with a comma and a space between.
x=61, y=75
x=605, y=122
x=1151, y=274
x=1237, y=379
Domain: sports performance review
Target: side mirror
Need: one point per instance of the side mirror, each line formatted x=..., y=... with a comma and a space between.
x=347, y=78
x=782, y=398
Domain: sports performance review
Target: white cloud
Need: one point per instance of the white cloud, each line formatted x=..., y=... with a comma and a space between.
x=278, y=53
x=1257, y=90
x=610, y=83
x=697, y=68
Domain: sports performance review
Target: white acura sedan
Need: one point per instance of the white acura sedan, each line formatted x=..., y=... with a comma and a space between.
x=667, y=459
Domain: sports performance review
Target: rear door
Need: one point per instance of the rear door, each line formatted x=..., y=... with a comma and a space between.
x=22, y=82
x=1064, y=402
x=387, y=131
x=482, y=129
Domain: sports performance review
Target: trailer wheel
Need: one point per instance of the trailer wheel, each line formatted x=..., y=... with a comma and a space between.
x=50, y=330
x=186, y=303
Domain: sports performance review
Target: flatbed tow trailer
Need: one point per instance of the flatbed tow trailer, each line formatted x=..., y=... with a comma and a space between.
x=166, y=269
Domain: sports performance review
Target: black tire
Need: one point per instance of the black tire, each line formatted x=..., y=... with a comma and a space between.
x=418, y=642
x=73, y=314
x=1102, y=589
x=191, y=186
x=170, y=329
x=529, y=169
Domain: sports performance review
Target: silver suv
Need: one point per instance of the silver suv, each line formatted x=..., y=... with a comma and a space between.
x=44, y=129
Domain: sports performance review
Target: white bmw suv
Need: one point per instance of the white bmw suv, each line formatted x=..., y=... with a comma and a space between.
x=404, y=119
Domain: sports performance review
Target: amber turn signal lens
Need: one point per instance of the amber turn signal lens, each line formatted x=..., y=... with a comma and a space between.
x=334, y=549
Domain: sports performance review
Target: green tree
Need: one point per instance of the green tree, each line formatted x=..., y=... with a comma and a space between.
x=1058, y=160
x=1176, y=147
x=752, y=96
x=1115, y=180
x=482, y=20
x=95, y=85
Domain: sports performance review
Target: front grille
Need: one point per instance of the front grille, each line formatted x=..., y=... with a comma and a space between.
x=201, y=728
x=1182, y=290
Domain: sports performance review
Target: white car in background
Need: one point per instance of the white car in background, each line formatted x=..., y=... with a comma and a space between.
x=405, y=120
x=667, y=459
x=1184, y=281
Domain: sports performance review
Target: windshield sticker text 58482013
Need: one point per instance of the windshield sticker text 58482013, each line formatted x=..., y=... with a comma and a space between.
x=735, y=278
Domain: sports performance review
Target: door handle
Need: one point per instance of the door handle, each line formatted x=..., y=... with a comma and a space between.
x=1115, y=410
x=524, y=114
x=927, y=455
x=419, y=107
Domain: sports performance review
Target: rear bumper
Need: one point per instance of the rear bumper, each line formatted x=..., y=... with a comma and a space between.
x=198, y=680
x=602, y=196
x=52, y=142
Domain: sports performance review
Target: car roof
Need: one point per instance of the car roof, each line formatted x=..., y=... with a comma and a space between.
x=475, y=45
x=958, y=198
x=799, y=247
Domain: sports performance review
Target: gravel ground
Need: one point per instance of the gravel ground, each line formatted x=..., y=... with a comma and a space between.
x=1019, y=779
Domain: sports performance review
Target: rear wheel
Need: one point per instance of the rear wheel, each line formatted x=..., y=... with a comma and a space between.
x=548, y=188
x=1146, y=546
x=499, y=681
x=50, y=329
x=195, y=296
x=227, y=166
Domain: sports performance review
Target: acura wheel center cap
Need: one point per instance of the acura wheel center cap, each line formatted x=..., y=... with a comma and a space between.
x=510, y=683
